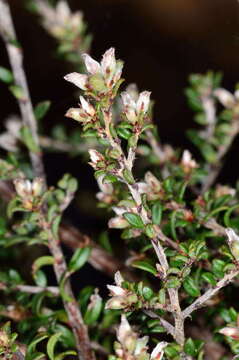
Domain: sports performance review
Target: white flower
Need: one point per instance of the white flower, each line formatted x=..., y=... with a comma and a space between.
x=233, y=242
x=23, y=187
x=59, y=20
x=124, y=330
x=226, y=98
x=134, y=108
x=95, y=156
x=27, y=189
x=116, y=290
x=158, y=351
x=232, y=332
x=187, y=162
x=101, y=76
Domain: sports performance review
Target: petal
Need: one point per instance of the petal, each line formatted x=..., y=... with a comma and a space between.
x=232, y=236
x=133, y=91
x=158, y=352
x=80, y=80
x=127, y=100
x=143, y=102
x=118, y=222
x=118, y=278
x=116, y=290
x=123, y=330
x=92, y=66
x=63, y=11
x=141, y=345
x=106, y=188
x=77, y=114
x=118, y=71
x=225, y=97
x=87, y=107
x=95, y=156
x=108, y=62
x=232, y=332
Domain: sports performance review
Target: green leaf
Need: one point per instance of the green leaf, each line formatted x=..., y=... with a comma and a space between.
x=32, y=346
x=157, y=211
x=55, y=225
x=190, y=348
x=40, y=278
x=191, y=287
x=143, y=265
x=42, y=261
x=51, y=345
x=147, y=293
x=149, y=231
x=134, y=220
x=208, y=277
x=28, y=140
x=173, y=282
x=6, y=75
x=17, y=91
x=92, y=313
x=41, y=109
x=104, y=241
x=79, y=259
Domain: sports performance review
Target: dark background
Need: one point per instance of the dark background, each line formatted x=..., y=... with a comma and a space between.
x=161, y=42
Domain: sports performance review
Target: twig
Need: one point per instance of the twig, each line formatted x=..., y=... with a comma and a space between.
x=99, y=258
x=216, y=167
x=167, y=326
x=210, y=293
x=15, y=55
x=31, y=289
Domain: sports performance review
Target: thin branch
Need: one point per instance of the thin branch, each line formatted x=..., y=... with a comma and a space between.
x=210, y=293
x=15, y=55
x=167, y=326
x=31, y=289
x=216, y=167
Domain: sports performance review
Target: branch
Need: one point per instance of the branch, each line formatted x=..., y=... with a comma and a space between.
x=15, y=55
x=31, y=289
x=216, y=167
x=210, y=293
x=167, y=326
x=99, y=258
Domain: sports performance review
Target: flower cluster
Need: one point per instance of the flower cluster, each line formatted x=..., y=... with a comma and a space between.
x=131, y=347
x=121, y=298
x=29, y=191
x=102, y=78
x=60, y=21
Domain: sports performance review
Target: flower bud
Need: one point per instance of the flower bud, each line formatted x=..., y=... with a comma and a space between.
x=158, y=351
x=225, y=98
x=118, y=222
x=23, y=187
x=116, y=303
x=37, y=186
x=233, y=241
x=232, y=332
